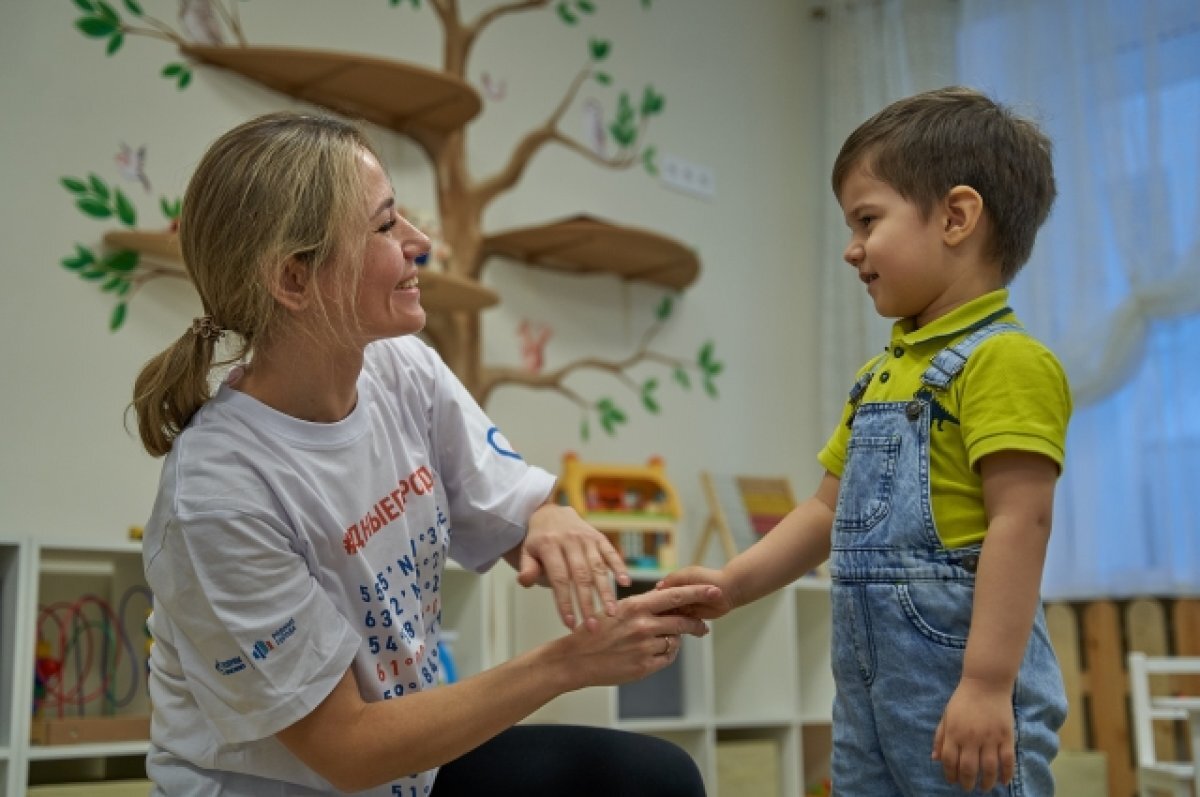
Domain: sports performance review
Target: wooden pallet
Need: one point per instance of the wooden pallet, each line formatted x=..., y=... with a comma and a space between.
x=1091, y=640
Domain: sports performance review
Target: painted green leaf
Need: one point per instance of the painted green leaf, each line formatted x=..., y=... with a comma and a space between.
x=95, y=27
x=114, y=43
x=681, y=376
x=599, y=48
x=124, y=286
x=99, y=187
x=107, y=12
x=93, y=273
x=184, y=80
x=624, y=135
x=85, y=5
x=74, y=186
x=123, y=262
x=118, y=316
x=586, y=6
x=650, y=162
x=171, y=70
x=715, y=368
x=648, y=400
x=663, y=311
x=133, y=7
x=72, y=264
x=564, y=13
x=125, y=210
x=652, y=103
x=706, y=352
x=93, y=207
x=84, y=255
x=170, y=209
x=710, y=388
x=603, y=78
x=112, y=284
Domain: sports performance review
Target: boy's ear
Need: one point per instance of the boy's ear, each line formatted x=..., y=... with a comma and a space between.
x=962, y=211
x=292, y=288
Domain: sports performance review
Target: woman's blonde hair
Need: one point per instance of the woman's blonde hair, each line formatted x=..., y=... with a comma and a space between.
x=284, y=187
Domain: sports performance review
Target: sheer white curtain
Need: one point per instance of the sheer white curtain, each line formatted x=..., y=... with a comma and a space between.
x=876, y=51
x=1114, y=283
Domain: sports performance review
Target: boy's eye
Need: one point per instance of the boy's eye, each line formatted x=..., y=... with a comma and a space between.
x=866, y=220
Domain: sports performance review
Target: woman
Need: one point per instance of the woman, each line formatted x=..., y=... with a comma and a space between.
x=307, y=508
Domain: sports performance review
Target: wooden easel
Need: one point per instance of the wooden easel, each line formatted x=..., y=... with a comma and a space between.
x=741, y=509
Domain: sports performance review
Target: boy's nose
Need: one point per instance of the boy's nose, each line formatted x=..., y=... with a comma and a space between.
x=853, y=254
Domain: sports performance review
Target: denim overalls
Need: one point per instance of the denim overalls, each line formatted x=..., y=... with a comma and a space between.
x=902, y=609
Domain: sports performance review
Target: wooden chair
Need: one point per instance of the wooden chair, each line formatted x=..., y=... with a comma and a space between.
x=1155, y=777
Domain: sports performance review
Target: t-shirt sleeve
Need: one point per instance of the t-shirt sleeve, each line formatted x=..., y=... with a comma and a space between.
x=261, y=642
x=1015, y=398
x=491, y=489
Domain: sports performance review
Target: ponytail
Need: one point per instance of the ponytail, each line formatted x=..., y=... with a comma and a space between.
x=174, y=385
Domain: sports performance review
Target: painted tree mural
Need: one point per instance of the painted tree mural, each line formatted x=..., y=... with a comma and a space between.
x=434, y=109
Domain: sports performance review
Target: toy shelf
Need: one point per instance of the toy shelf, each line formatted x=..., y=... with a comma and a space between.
x=636, y=506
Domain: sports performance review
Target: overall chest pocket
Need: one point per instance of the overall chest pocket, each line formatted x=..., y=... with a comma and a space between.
x=865, y=493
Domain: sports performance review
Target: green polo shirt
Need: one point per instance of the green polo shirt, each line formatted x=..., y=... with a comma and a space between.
x=1012, y=395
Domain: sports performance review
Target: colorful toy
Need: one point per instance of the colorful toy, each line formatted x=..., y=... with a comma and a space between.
x=634, y=505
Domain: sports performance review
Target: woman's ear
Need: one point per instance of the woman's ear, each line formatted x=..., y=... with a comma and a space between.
x=962, y=211
x=294, y=284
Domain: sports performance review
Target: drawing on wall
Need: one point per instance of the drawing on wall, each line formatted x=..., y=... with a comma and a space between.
x=434, y=109
x=119, y=272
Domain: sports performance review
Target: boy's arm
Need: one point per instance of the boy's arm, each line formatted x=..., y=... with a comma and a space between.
x=975, y=737
x=796, y=545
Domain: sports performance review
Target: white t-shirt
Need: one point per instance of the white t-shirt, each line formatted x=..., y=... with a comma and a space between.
x=281, y=552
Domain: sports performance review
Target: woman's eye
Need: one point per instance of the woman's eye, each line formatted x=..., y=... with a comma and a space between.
x=387, y=225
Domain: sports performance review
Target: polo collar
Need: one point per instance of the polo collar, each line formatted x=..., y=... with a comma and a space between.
x=957, y=321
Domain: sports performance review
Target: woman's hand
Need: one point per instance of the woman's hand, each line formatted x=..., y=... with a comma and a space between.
x=577, y=562
x=641, y=637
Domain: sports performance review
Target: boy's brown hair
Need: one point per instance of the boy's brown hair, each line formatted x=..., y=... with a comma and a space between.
x=924, y=145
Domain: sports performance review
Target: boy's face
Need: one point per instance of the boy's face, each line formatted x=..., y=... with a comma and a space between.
x=898, y=253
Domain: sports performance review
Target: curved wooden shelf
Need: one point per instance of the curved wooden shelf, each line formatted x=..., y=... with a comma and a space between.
x=585, y=245
x=440, y=292
x=395, y=95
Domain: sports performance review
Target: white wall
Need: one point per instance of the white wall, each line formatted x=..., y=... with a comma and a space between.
x=741, y=82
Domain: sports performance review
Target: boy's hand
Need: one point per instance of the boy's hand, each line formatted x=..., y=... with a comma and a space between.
x=709, y=608
x=974, y=740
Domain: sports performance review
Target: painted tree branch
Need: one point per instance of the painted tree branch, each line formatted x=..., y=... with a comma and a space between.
x=488, y=189
x=494, y=377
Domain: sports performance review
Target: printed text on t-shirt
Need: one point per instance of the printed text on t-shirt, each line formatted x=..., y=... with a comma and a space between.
x=387, y=509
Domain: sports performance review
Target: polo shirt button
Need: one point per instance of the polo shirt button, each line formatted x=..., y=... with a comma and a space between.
x=898, y=351
x=913, y=410
x=885, y=376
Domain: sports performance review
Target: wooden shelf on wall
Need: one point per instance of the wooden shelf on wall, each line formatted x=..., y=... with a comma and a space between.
x=440, y=292
x=586, y=245
x=399, y=96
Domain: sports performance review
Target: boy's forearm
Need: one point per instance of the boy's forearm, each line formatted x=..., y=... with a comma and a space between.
x=792, y=548
x=1007, y=595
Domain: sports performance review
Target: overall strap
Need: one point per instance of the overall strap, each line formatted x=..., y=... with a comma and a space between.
x=948, y=362
x=860, y=387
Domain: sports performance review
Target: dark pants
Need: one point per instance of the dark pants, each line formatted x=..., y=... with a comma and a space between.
x=562, y=760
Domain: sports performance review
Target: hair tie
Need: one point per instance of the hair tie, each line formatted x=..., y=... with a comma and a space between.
x=206, y=328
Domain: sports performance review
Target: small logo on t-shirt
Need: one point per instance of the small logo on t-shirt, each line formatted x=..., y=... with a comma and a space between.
x=230, y=666
x=280, y=635
x=498, y=441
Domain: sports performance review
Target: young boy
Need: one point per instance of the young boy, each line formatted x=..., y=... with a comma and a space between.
x=936, y=503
